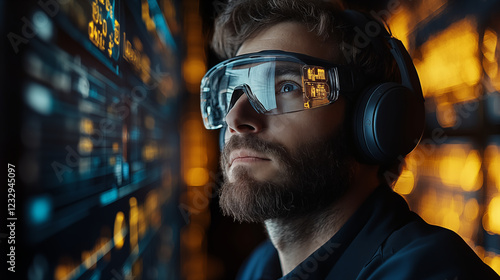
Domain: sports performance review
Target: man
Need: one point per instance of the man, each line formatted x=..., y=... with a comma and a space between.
x=315, y=120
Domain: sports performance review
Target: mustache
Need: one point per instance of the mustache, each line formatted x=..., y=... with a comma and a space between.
x=252, y=142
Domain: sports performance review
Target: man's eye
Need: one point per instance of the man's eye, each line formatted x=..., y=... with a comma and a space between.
x=287, y=87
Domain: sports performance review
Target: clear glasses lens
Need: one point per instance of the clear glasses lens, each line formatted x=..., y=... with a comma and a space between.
x=273, y=85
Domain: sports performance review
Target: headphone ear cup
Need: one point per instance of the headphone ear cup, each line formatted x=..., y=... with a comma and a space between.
x=388, y=122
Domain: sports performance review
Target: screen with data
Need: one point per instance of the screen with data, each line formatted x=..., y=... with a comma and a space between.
x=91, y=107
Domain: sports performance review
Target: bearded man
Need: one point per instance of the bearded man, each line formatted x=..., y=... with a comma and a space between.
x=317, y=106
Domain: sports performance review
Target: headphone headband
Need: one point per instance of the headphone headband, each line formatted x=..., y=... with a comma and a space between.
x=409, y=76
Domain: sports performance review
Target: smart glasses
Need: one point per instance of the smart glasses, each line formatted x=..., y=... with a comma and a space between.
x=275, y=82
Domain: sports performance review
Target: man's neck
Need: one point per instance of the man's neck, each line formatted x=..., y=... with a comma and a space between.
x=297, y=238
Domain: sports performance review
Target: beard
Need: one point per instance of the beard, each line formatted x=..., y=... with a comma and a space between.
x=310, y=179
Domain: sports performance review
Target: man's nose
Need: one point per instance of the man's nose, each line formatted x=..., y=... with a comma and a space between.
x=242, y=117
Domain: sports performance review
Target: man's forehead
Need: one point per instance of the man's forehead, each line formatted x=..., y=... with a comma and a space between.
x=291, y=37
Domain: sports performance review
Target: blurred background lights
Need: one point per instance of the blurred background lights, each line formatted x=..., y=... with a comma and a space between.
x=39, y=98
x=491, y=220
x=120, y=230
x=451, y=220
x=492, y=155
x=197, y=177
x=118, y=170
x=149, y=122
x=115, y=147
x=490, y=53
x=86, y=126
x=405, y=182
x=194, y=69
x=83, y=86
x=126, y=171
x=85, y=146
x=70, y=103
x=43, y=25
x=471, y=209
x=109, y=196
x=39, y=210
x=446, y=115
x=150, y=151
x=440, y=70
x=471, y=177
x=461, y=166
x=489, y=47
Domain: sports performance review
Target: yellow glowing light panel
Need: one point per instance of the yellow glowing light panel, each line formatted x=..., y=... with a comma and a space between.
x=104, y=29
x=316, y=87
x=450, y=62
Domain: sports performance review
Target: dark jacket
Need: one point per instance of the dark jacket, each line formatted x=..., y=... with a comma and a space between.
x=382, y=240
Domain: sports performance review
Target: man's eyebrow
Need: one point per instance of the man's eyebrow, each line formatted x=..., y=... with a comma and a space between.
x=287, y=69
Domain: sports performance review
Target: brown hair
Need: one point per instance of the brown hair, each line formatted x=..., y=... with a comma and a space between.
x=243, y=18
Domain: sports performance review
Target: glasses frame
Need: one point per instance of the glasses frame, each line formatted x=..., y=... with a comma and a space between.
x=342, y=79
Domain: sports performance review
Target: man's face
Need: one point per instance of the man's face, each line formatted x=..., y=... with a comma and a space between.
x=285, y=165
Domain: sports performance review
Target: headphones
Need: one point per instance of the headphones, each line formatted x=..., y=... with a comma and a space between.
x=388, y=118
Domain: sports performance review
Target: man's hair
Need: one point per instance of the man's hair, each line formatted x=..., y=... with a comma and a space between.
x=241, y=19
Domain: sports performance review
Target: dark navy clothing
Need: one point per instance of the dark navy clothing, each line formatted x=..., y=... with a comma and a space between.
x=382, y=240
